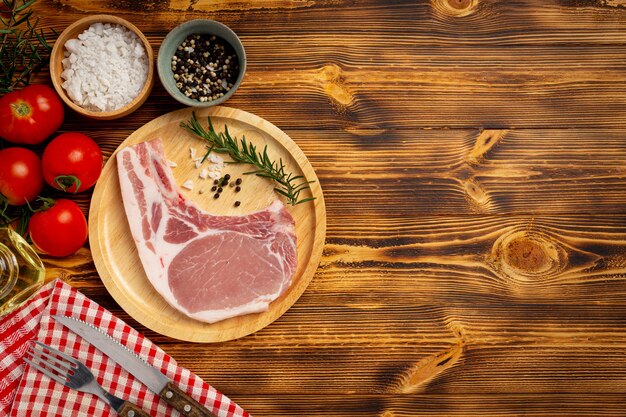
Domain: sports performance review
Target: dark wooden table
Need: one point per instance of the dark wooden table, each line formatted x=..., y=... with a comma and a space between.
x=473, y=159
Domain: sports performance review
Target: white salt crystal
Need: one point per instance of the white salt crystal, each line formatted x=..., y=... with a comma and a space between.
x=215, y=158
x=99, y=102
x=216, y=163
x=72, y=46
x=106, y=68
x=73, y=90
x=172, y=164
x=98, y=28
x=188, y=185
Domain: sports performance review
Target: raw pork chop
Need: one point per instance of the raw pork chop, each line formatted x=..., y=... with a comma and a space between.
x=208, y=267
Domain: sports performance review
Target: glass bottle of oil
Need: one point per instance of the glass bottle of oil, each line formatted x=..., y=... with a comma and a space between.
x=21, y=271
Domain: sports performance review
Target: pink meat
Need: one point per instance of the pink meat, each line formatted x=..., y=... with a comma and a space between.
x=208, y=267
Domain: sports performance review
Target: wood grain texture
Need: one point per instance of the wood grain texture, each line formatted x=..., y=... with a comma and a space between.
x=406, y=174
x=181, y=401
x=430, y=306
x=472, y=155
x=434, y=405
x=374, y=77
x=129, y=409
x=459, y=87
x=441, y=22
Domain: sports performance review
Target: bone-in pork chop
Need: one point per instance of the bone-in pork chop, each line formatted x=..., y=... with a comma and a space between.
x=209, y=267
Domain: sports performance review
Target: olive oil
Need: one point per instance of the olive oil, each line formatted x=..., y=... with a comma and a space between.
x=21, y=271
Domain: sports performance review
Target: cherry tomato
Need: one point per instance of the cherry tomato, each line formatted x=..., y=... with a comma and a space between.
x=60, y=230
x=28, y=116
x=72, y=162
x=20, y=175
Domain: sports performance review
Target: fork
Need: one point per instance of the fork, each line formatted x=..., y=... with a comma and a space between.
x=74, y=374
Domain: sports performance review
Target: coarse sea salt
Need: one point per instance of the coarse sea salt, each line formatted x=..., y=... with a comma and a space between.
x=188, y=185
x=105, y=68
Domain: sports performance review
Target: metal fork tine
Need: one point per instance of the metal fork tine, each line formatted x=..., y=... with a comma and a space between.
x=51, y=354
x=51, y=361
x=58, y=352
x=72, y=373
x=45, y=371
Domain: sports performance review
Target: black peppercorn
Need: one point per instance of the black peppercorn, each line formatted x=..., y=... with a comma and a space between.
x=219, y=190
x=237, y=189
x=237, y=203
x=238, y=181
x=192, y=64
x=216, y=195
x=214, y=188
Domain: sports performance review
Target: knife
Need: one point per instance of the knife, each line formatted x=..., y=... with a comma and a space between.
x=140, y=369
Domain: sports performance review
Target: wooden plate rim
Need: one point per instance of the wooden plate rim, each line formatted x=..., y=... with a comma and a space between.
x=130, y=306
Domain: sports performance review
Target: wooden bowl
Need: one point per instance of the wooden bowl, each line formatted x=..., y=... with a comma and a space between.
x=56, y=66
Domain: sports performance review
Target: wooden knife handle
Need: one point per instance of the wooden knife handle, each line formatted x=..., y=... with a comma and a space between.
x=181, y=401
x=129, y=409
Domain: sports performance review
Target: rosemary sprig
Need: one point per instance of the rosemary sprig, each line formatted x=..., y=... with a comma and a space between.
x=242, y=151
x=24, y=48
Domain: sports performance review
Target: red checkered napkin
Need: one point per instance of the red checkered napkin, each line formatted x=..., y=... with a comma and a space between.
x=27, y=392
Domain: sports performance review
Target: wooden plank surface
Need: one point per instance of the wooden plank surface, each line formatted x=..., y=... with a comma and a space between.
x=472, y=155
x=461, y=296
x=459, y=87
x=397, y=74
x=436, y=405
x=407, y=173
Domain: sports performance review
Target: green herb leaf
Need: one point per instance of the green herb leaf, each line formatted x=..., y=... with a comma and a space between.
x=206, y=155
x=242, y=151
x=24, y=6
x=24, y=48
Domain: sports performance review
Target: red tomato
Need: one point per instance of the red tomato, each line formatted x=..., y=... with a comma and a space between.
x=60, y=230
x=28, y=116
x=72, y=162
x=20, y=175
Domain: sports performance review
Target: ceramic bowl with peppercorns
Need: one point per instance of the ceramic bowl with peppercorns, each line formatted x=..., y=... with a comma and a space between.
x=201, y=63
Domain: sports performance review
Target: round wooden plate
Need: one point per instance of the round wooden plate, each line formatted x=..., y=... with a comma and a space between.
x=113, y=248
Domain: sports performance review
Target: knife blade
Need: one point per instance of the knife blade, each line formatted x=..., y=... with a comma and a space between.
x=140, y=369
